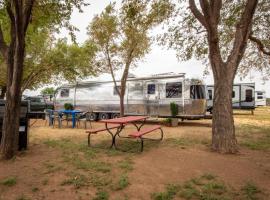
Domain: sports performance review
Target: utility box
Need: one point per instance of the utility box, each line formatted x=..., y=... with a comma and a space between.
x=23, y=127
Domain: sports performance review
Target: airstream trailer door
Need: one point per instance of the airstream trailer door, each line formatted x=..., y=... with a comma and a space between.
x=152, y=98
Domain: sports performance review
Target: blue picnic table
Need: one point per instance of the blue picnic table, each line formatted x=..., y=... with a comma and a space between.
x=72, y=113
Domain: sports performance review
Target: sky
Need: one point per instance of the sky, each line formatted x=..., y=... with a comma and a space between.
x=159, y=60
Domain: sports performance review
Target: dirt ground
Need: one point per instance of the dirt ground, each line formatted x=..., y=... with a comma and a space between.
x=42, y=171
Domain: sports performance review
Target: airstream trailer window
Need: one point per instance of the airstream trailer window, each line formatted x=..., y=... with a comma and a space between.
x=233, y=94
x=197, y=91
x=151, y=89
x=115, y=90
x=173, y=90
x=249, y=96
x=64, y=93
x=210, y=94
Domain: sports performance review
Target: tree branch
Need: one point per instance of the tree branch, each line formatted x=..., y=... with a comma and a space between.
x=197, y=13
x=27, y=13
x=260, y=45
x=3, y=45
x=107, y=53
x=243, y=29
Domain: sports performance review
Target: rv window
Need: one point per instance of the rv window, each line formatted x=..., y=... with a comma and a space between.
x=259, y=93
x=233, y=94
x=259, y=97
x=64, y=93
x=249, y=96
x=115, y=91
x=197, y=91
x=151, y=89
x=173, y=90
x=210, y=94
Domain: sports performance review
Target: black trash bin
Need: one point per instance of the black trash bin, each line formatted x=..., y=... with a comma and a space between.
x=23, y=128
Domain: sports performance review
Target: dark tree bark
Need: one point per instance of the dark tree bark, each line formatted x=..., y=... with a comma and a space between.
x=223, y=131
x=19, y=13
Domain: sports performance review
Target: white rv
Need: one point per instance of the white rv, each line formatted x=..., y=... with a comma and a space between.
x=243, y=96
x=260, y=98
x=144, y=96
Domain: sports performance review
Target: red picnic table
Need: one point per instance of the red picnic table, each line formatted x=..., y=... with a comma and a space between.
x=120, y=123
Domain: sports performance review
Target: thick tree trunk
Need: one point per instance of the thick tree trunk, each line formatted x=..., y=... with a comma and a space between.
x=3, y=92
x=223, y=130
x=10, y=133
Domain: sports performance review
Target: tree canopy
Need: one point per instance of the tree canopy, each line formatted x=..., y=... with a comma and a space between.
x=189, y=38
x=122, y=36
x=47, y=59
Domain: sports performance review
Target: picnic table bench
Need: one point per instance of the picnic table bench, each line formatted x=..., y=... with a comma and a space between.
x=120, y=123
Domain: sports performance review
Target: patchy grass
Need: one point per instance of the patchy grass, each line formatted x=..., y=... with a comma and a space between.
x=9, y=181
x=251, y=191
x=101, y=195
x=126, y=164
x=35, y=189
x=254, y=137
x=169, y=194
x=22, y=197
x=100, y=181
x=77, y=180
x=122, y=183
x=184, y=142
x=208, y=187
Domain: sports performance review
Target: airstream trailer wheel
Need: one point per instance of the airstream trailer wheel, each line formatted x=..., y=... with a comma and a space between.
x=115, y=115
x=103, y=116
x=92, y=116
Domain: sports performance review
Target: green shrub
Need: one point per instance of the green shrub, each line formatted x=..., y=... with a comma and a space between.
x=68, y=106
x=174, y=109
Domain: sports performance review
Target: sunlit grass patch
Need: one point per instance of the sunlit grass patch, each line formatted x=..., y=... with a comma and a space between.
x=254, y=137
x=183, y=142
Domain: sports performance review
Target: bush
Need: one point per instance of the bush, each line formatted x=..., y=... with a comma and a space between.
x=68, y=106
x=174, y=109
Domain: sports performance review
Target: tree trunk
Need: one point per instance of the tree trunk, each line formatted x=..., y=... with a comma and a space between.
x=223, y=130
x=3, y=92
x=10, y=133
x=122, y=105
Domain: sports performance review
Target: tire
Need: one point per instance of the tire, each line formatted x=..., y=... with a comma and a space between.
x=92, y=116
x=115, y=115
x=103, y=116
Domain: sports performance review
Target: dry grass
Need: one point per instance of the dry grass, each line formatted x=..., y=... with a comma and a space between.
x=60, y=165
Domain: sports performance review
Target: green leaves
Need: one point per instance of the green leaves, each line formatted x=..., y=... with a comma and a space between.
x=189, y=38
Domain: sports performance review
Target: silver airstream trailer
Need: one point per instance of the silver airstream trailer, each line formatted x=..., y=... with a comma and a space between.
x=144, y=96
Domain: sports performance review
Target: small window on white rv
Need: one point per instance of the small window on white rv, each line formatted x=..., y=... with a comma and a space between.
x=151, y=89
x=115, y=90
x=64, y=93
x=259, y=97
x=174, y=90
x=233, y=94
x=259, y=93
x=249, y=97
x=210, y=94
